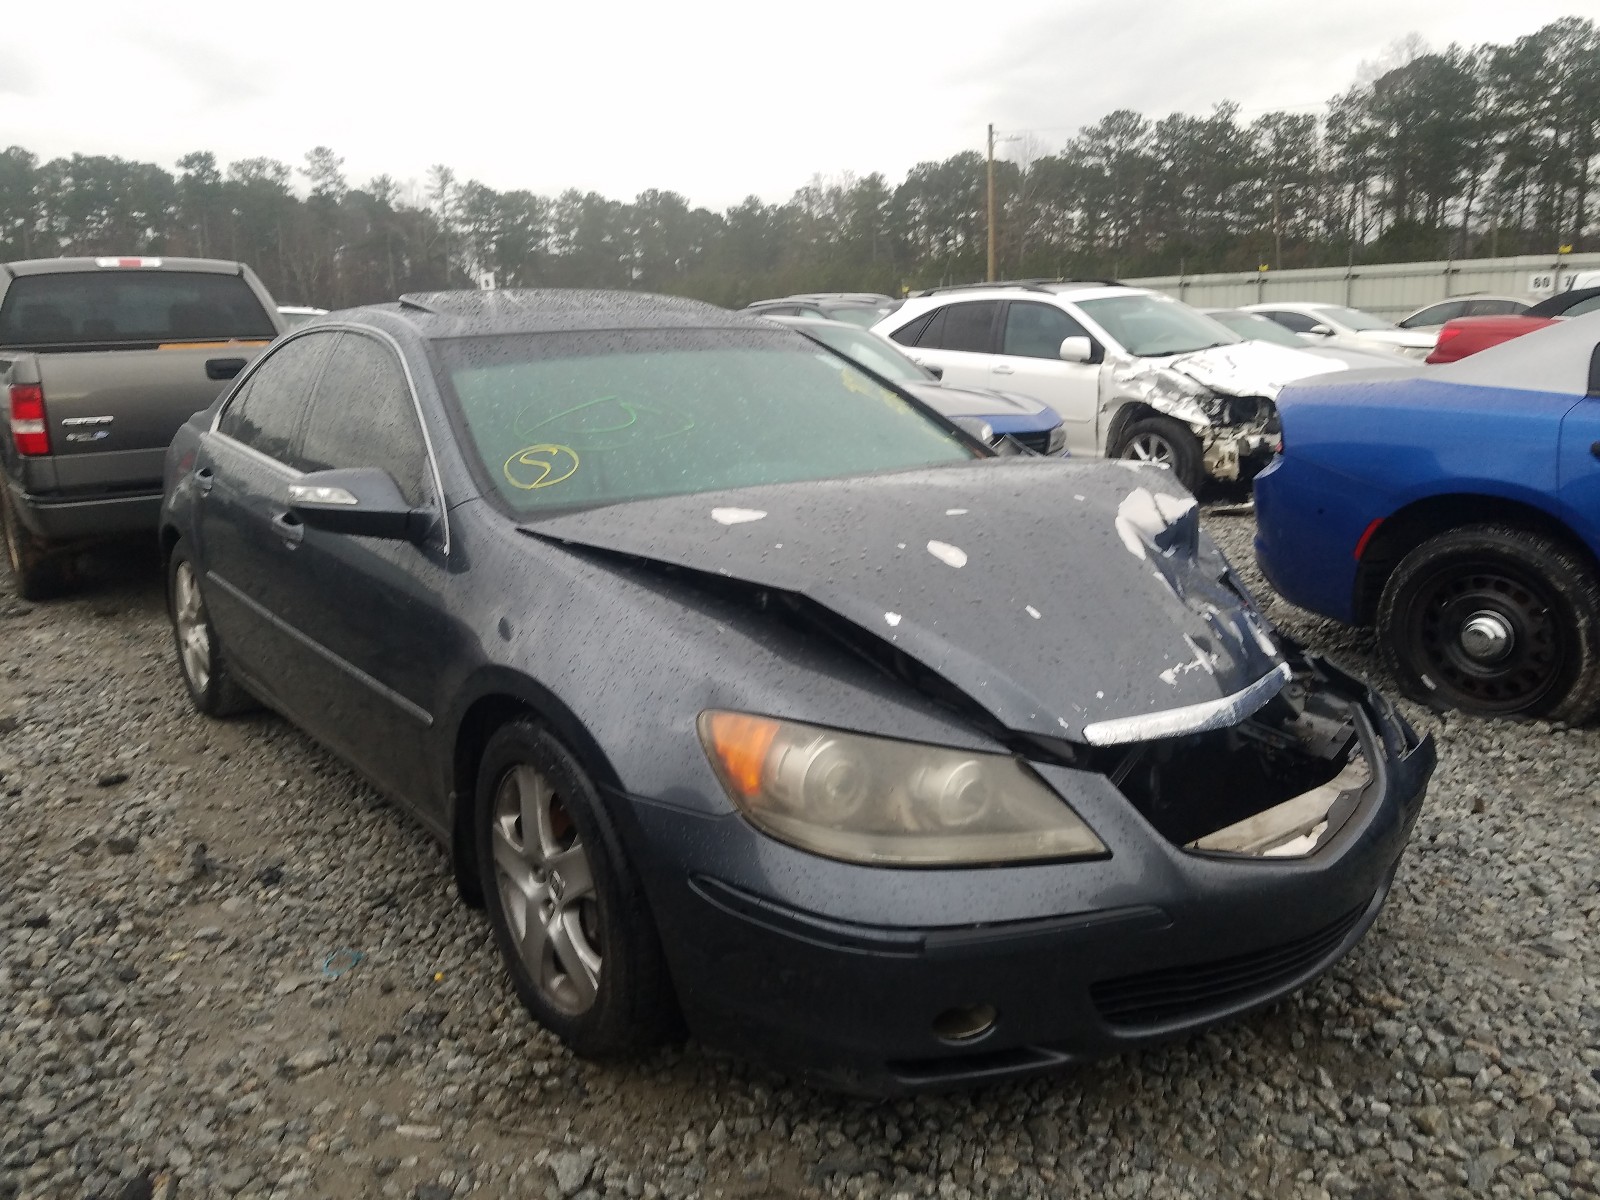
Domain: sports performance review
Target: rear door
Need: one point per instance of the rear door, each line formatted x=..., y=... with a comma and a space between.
x=960, y=339
x=126, y=355
x=1030, y=363
x=244, y=468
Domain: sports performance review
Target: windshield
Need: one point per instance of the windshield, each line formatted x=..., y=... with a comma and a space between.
x=584, y=419
x=1152, y=326
x=1254, y=328
x=857, y=315
x=1351, y=318
x=871, y=351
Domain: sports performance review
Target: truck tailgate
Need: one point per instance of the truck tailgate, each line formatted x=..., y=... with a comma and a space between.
x=111, y=414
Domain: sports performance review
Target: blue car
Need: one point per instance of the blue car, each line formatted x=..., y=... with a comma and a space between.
x=1458, y=510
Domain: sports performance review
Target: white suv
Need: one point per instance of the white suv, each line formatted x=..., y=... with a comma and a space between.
x=1134, y=374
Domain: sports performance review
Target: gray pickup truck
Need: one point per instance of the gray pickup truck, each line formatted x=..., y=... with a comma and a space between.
x=101, y=359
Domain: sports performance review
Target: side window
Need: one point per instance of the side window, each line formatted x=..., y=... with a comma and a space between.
x=1583, y=306
x=967, y=327
x=363, y=416
x=1292, y=321
x=1035, y=330
x=265, y=413
x=1438, y=314
x=1494, y=308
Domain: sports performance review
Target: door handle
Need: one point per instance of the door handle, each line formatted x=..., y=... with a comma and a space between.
x=223, y=368
x=205, y=478
x=1594, y=449
x=289, y=527
x=1003, y=369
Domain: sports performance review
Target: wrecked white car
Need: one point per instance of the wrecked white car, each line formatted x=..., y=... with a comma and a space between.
x=1134, y=374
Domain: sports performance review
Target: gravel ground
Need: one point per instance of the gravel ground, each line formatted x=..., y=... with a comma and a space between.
x=227, y=969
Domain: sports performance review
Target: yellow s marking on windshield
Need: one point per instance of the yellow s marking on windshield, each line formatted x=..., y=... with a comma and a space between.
x=544, y=465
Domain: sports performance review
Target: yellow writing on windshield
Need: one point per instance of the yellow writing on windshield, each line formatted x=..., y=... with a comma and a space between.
x=544, y=465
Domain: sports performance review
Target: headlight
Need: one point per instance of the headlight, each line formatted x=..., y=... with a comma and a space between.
x=873, y=800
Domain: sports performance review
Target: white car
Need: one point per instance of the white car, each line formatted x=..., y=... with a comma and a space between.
x=1257, y=328
x=1336, y=325
x=1431, y=318
x=1134, y=374
x=295, y=315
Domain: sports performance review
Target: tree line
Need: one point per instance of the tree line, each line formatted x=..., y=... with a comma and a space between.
x=1458, y=153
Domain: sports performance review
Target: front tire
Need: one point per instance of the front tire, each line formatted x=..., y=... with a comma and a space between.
x=567, y=913
x=201, y=662
x=1495, y=621
x=37, y=574
x=1165, y=442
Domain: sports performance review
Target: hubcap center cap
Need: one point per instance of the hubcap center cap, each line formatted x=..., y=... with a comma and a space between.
x=1487, y=637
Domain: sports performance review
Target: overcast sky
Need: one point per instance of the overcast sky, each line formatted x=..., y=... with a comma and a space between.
x=714, y=100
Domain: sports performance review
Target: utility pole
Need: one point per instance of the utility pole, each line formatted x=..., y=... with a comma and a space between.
x=990, y=276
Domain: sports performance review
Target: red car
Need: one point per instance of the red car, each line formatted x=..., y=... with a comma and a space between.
x=1468, y=335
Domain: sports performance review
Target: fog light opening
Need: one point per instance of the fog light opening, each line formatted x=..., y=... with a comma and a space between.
x=964, y=1022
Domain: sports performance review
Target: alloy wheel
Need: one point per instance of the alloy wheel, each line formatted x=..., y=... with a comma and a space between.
x=1150, y=448
x=194, y=633
x=547, y=890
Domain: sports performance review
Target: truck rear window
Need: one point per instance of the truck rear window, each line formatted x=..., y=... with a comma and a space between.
x=123, y=306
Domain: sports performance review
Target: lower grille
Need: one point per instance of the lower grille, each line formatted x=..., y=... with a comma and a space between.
x=1173, y=993
x=1043, y=441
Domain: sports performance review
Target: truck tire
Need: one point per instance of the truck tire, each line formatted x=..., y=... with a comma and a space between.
x=1495, y=621
x=1167, y=442
x=35, y=574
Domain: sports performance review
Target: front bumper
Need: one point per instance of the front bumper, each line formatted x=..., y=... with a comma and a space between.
x=776, y=956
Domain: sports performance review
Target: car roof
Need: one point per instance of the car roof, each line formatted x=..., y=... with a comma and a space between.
x=922, y=301
x=555, y=310
x=817, y=323
x=65, y=266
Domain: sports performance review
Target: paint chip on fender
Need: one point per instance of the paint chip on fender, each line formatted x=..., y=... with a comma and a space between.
x=736, y=516
x=953, y=556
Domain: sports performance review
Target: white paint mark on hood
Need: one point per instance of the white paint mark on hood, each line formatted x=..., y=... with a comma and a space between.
x=1148, y=513
x=1031, y=611
x=955, y=512
x=893, y=618
x=736, y=516
x=953, y=556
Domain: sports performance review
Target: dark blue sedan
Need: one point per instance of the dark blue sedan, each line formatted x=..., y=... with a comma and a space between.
x=1457, y=509
x=745, y=688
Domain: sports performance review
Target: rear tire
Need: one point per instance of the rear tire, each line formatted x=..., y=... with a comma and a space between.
x=35, y=573
x=1495, y=621
x=567, y=912
x=1166, y=442
x=201, y=662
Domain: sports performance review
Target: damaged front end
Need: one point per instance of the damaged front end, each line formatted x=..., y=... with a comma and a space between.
x=1226, y=395
x=1280, y=783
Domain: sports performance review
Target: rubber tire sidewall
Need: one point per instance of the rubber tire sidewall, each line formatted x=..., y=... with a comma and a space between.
x=222, y=696
x=1187, y=467
x=1572, y=582
x=634, y=1007
x=36, y=576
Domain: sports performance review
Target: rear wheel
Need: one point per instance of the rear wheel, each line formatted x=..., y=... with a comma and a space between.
x=1164, y=442
x=37, y=575
x=200, y=659
x=567, y=912
x=1495, y=621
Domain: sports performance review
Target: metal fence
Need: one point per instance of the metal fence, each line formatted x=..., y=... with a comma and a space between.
x=1388, y=289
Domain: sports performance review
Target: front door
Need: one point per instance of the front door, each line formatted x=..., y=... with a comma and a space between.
x=1030, y=363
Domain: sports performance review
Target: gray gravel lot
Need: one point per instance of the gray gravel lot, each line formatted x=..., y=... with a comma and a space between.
x=171, y=1022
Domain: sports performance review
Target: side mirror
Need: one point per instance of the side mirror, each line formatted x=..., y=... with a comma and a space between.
x=1320, y=331
x=976, y=427
x=360, y=501
x=1077, y=349
x=936, y=372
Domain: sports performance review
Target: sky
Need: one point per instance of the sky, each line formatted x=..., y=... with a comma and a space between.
x=710, y=99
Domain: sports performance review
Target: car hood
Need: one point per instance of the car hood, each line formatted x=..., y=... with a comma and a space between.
x=1075, y=600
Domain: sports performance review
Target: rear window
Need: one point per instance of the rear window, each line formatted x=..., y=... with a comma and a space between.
x=130, y=306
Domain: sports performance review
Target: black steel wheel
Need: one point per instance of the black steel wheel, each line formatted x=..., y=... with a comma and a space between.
x=567, y=912
x=1495, y=621
x=1167, y=443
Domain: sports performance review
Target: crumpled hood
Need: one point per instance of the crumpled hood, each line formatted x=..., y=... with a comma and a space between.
x=1063, y=598
x=1247, y=368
